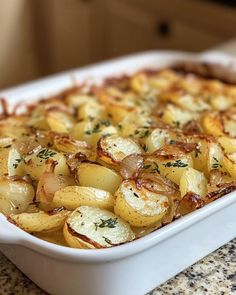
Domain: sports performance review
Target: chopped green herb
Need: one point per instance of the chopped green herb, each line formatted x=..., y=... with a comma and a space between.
x=176, y=124
x=177, y=163
x=110, y=223
x=145, y=148
x=197, y=152
x=156, y=168
x=119, y=126
x=172, y=141
x=216, y=165
x=136, y=195
x=7, y=146
x=17, y=162
x=147, y=166
x=108, y=241
x=96, y=129
x=45, y=154
x=106, y=122
x=142, y=133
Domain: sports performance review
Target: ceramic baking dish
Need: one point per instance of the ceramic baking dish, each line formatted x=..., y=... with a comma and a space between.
x=136, y=267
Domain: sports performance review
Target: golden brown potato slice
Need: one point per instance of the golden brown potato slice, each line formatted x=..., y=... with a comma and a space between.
x=59, y=122
x=72, y=197
x=193, y=181
x=35, y=163
x=11, y=161
x=177, y=117
x=91, y=110
x=140, y=207
x=97, y=176
x=157, y=138
x=92, y=131
x=89, y=227
x=230, y=164
x=228, y=144
x=40, y=221
x=113, y=149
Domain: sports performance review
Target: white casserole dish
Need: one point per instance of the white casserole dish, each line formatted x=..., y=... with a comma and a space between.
x=136, y=267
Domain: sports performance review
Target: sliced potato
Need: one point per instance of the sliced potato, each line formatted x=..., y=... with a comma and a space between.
x=89, y=227
x=40, y=221
x=140, y=207
x=11, y=161
x=91, y=131
x=35, y=163
x=177, y=117
x=221, y=102
x=113, y=149
x=193, y=181
x=77, y=99
x=230, y=127
x=157, y=139
x=71, y=197
x=213, y=125
x=230, y=164
x=228, y=144
x=174, y=167
x=91, y=109
x=97, y=176
x=60, y=122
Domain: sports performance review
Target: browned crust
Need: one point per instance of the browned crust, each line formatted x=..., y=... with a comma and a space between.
x=224, y=189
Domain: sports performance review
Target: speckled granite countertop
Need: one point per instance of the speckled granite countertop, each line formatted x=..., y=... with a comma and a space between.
x=214, y=275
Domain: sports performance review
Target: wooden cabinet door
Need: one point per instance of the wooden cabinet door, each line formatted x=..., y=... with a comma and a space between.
x=131, y=29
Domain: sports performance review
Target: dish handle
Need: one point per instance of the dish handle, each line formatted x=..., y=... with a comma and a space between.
x=8, y=232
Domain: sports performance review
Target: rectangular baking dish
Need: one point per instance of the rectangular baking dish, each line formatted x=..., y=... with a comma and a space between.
x=136, y=267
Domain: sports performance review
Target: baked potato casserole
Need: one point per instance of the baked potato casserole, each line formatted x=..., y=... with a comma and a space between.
x=101, y=165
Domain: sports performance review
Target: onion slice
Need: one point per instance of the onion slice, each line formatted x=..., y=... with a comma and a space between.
x=131, y=165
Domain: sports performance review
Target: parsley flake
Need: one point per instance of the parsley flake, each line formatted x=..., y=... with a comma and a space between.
x=110, y=223
x=177, y=163
x=45, y=154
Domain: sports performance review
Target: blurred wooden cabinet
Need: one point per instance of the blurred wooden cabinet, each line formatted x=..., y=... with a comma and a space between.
x=132, y=27
x=43, y=37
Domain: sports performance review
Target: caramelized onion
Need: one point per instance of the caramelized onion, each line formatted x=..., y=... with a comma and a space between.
x=190, y=202
x=157, y=183
x=48, y=184
x=131, y=165
x=73, y=160
x=178, y=149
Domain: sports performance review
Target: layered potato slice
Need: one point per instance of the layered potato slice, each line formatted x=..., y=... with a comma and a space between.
x=140, y=206
x=91, y=110
x=193, y=181
x=40, y=221
x=35, y=163
x=72, y=197
x=15, y=195
x=60, y=122
x=157, y=139
x=92, y=131
x=230, y=163
x=228, y=144
x=91, y=228
x=98, y=176
x=177, y=117
x=11, y=161
x=113, y=149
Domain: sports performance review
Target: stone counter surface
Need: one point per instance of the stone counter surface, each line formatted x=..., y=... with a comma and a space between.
x=214, y=275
